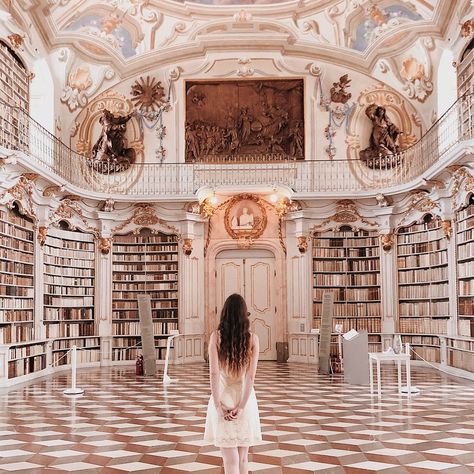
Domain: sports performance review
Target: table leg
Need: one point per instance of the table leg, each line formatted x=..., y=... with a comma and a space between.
x=399, y=371
x=408, y=377
x=371, y=375
x=379, y=382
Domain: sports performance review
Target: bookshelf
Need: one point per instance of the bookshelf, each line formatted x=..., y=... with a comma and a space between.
x=17, y=320
x=465, y=71
x=422, y=268
x=143, y=263
x=347, y=263
x=465, y=269
x=69, y=279
x=14, y=78
x=24, y=358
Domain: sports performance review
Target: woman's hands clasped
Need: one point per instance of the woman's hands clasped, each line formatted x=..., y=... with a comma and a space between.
x=230, y=414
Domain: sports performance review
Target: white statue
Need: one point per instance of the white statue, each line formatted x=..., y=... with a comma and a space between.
x=246, y=219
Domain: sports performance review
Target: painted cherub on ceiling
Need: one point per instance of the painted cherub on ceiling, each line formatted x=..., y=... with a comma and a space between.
x=375, y=19
x=111, y=26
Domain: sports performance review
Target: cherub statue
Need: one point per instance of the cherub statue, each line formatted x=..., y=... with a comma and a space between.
x=384, y=136
x=109, y=154
x=338, y=90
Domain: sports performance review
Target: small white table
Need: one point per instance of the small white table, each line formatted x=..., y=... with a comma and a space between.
x=386, y=356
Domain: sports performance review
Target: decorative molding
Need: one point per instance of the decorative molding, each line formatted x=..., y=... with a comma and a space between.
x=386, y=241
x=346, y=213
x=69, y=210
x=467, y=28
x=42, y=233
x=302, y=243
x=187, y=246
x=53, y=190
x=419, y=202
x=447, y=227
x=23, y=188
x=105, y=244
x=144, y=215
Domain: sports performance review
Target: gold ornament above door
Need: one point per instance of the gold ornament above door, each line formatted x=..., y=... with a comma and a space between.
x=245, y=218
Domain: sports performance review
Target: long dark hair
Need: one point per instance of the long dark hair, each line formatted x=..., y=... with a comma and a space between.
x=234, y=331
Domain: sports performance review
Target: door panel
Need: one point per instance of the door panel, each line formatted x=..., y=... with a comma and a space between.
x=254, y=279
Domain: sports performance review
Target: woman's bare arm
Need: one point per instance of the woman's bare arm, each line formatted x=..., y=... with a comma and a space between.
x=214, y=370
x=250, y=375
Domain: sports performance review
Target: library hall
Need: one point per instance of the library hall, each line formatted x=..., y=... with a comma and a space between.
x=237, y=236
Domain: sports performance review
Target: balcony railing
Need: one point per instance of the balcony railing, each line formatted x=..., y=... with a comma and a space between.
x=43, y=151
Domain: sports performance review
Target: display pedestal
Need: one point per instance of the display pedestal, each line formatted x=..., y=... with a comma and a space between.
x=355, y=360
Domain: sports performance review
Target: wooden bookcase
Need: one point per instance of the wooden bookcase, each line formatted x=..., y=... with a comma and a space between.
x=14, y=78
x=347, y=263
x=422, y=267
x=465, y=71
x=17, y=320
x=144, y=263
x=465, y=269
x=69, y=282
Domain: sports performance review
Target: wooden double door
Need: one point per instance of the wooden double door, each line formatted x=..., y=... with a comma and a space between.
x=253, y=277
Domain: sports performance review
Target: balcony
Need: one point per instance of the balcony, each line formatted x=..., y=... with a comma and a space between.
x=36, y=150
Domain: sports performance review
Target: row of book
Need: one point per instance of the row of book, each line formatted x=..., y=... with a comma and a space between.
x=9, y=279
x=69, y=254
x=466, y=307
x=346, y=265
x=142, y=267
x=430, y=354
x=74, y=245
x=68, y=314
x=343, y=253
x=70, y=330
x=16, y=333
x=348, y=279
x=68, y=290
x=157, y=313
x=12, y=290
x=69, y=271
x=9, y=316
x=146, y=286
x=423, y=260
x=21, y=367
x=16, y=268
x=425, y=247
x=461, y=360
x=423, y=275
x=132, y=328
x=466, y=250
x=69, y=302
x=82, y=357
x=81, y=343
x=465, y=236
x=134, y=277
x=155, y=304
x=424, y=308
x=10, y=242
x=145, y=240
x=12, y=230
x=359, y=324
x=439, y=290
x=16, y=303
x=422, y=227
x=466, y=288
x=68, y=262
x=15, y=255
x=68, y=281
x=144, y=259
x=420, y=340
x=422, y=326
x=142, y=249
x=420, y=237
x=349, y=294
x=466, y=269
x=11, y=218
x=30, y=350
x=154, y=294
x=350, y=310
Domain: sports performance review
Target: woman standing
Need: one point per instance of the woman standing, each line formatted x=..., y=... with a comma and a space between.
x=233, y=422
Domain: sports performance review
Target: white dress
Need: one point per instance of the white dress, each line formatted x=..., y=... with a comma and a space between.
x=245, y=430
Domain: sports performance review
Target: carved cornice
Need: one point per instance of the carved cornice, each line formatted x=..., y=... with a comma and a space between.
x=70, y=211
x=346, y=213
x=22, y=189
x=144, y=215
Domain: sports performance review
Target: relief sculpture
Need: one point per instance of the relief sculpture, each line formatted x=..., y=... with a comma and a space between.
x=109, y=154
x=244, y=120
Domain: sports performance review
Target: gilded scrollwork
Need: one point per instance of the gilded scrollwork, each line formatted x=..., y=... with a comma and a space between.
x=22, y=189
x=42, y=234
x=302, y=243
x=187, y=246
x=447, y=227
x=105, y=244
x=346, y=213
x=387, y=242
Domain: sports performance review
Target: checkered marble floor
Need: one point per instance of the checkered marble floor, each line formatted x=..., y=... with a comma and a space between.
x=310, y=423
